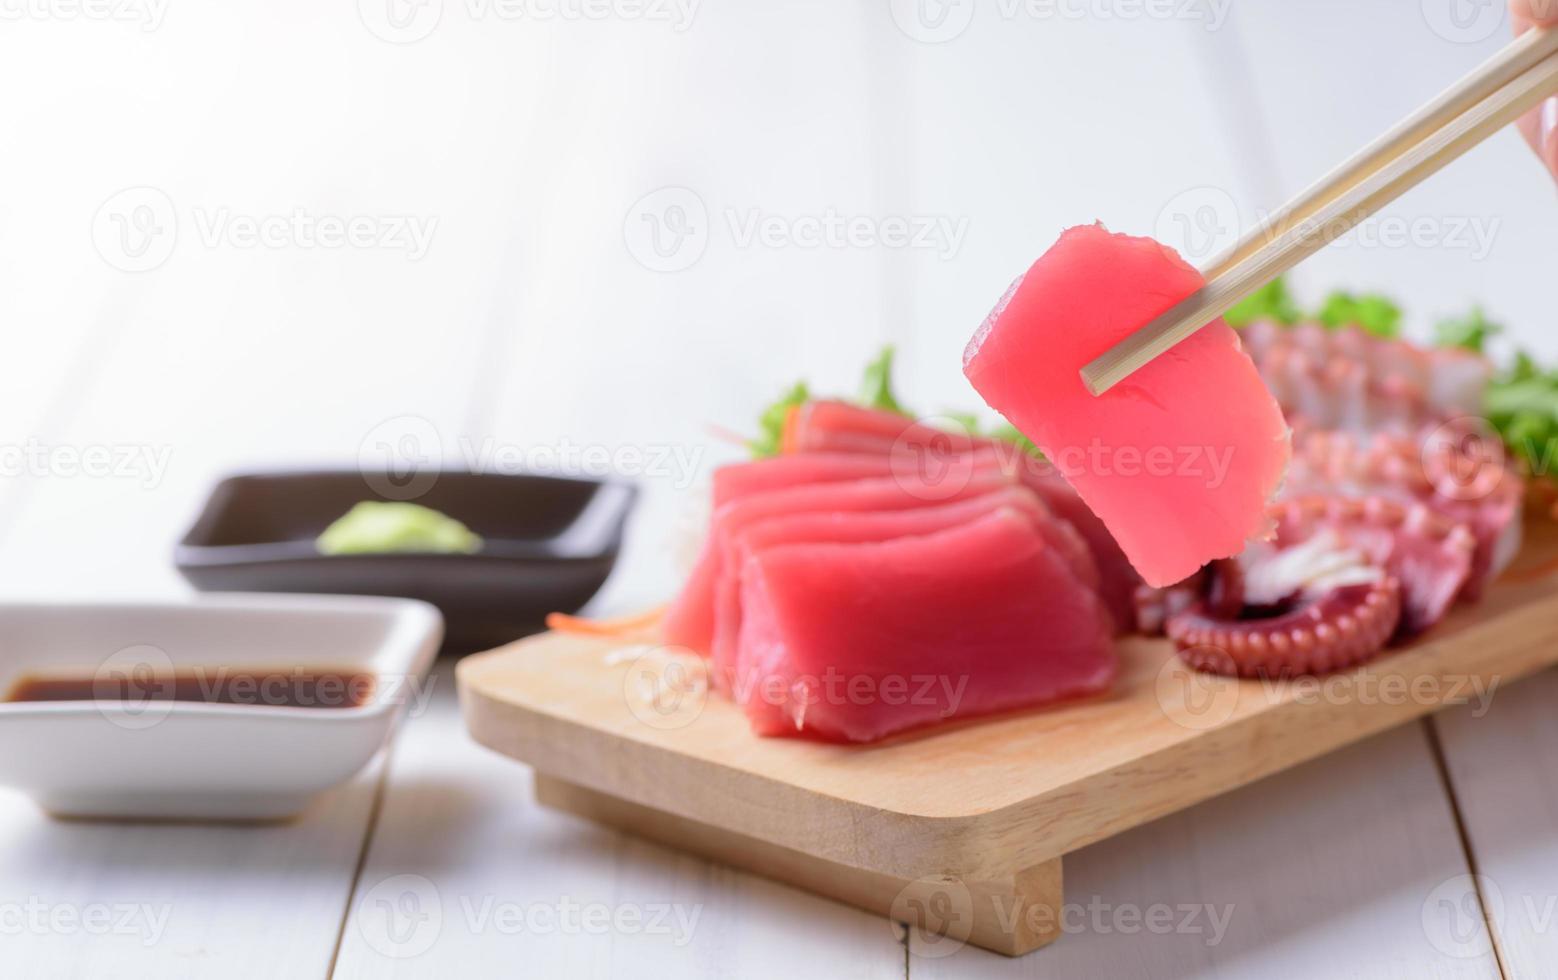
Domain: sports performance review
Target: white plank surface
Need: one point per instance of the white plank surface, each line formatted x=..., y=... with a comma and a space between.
x=467, y=875
x=1506, y=785
x=169, y=902
x=1321, y=871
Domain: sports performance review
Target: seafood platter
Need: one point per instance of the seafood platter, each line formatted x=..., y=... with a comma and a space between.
x=919, y=660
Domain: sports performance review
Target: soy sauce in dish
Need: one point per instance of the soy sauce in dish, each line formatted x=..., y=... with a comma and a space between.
x=302, y=687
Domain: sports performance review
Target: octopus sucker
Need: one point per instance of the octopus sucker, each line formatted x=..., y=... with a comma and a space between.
x=1341, y=628
x=1344, y=577
x=1313, y=603
x=1374, y=417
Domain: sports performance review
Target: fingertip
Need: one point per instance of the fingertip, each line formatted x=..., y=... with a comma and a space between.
x=1530, y=128
x=1528, y=12
x=1547, y=135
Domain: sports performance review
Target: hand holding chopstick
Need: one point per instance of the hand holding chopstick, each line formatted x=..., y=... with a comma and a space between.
x=1539, y=126
x=1485, y=101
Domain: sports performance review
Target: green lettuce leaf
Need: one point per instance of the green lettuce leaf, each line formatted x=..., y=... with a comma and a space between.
x=1372, y=312
x=1470, y=332
x=1006, y=432
x=770, y=425
x=1272, y=301
x=967, y=421
x=876, y=385
x=1525, y=367
x=1522, y=404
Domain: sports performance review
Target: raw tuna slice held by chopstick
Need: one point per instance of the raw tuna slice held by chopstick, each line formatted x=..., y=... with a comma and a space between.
x=1180, y=459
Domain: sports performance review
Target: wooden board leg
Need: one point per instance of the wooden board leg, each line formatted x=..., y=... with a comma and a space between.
x=1011, y=916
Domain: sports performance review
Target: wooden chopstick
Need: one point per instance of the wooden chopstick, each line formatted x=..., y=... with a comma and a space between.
x=1482, y=103
x=1511, y=61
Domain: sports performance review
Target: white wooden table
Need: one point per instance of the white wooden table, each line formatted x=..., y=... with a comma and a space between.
x=536, y=322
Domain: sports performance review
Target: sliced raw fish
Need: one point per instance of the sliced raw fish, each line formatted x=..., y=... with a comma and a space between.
x=732, y=521
x=847, y=527
x=778, y=472
x=1117, y=579
x=852, y=526
x=854, y=642
x=833, y=427
x=689, y=621
x=1180, y=459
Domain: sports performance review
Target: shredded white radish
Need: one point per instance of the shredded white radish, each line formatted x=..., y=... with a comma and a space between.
x=1318, y=565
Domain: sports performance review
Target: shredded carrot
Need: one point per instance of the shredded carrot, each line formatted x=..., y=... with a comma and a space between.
x=727, y=435
x=622, y=626
x=788, y=434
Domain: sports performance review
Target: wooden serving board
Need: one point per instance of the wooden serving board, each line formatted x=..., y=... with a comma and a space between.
x=960, y=829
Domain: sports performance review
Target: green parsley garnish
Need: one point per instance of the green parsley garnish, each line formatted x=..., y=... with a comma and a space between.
x=1272, y=301
x=1370, y=311
x=770, y=425
x=1470, y=332
x=876, y=385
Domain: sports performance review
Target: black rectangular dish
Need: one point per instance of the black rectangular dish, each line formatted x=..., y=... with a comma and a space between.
x=548, y=545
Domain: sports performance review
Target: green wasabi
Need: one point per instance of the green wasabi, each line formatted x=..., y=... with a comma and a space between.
x=377, y=527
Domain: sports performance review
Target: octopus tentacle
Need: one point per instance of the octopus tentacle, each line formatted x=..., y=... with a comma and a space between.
x=1457, y=468
x=1343, y=577
x=1316, y=605
x=1342, y=627
x=1429, y=554
x=1348, y=378
x=1397, y=503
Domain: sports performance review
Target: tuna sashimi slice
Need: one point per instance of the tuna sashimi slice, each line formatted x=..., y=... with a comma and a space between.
x=779, y=472
x=854, y=642
x=834, y=427
x=1180, y=459
x=829, y=428
x=1117, y=580
x=690, y=620
x=839, y=427
x=846, y=527
x=857, y=497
